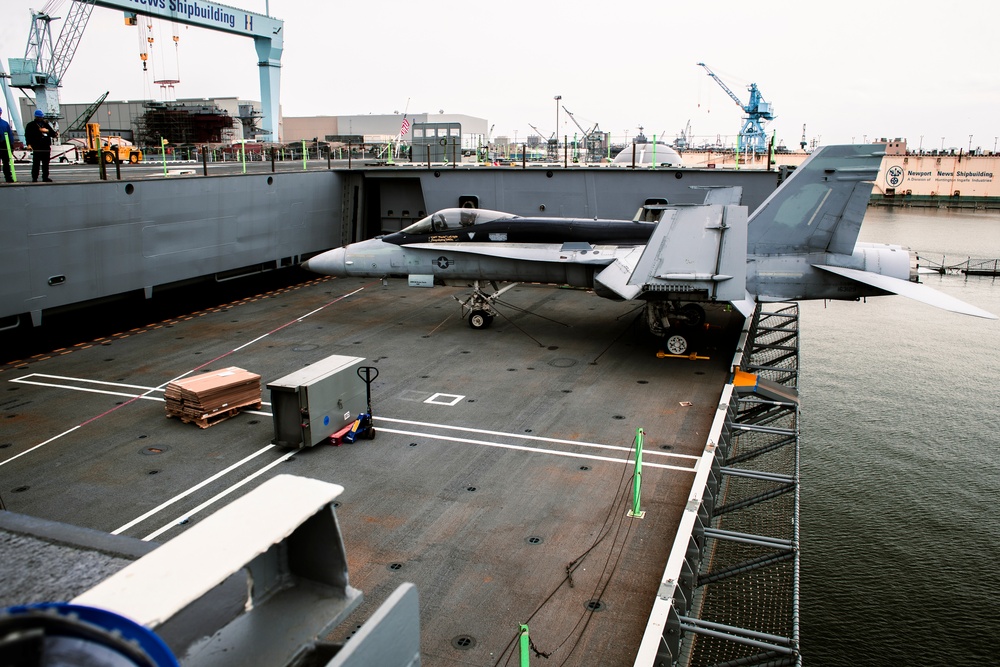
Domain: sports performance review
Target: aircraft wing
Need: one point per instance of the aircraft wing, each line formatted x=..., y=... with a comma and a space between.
x=575, y=253
x=699, y=252
x=905, y=288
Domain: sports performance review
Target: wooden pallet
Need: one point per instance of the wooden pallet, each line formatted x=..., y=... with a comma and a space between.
x=211, y=419
x=208, y=399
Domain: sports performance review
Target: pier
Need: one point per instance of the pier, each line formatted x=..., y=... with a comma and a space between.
x=970, y=266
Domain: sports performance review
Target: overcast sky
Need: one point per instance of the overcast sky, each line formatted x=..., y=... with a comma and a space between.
x=847, y=70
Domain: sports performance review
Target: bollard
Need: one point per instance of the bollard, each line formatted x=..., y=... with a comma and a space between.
x=204, y=160
x=13, y=175
x=636, y=512
x=525, y=644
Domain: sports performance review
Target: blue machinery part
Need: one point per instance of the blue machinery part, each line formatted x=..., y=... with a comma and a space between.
x=46, y=634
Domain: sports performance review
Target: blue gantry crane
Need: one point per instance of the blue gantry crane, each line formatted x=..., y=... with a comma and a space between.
x=752, y=136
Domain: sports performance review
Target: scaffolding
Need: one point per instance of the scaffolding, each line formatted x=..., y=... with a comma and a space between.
x=182, y=124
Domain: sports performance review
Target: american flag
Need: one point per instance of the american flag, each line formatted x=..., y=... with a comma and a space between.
x=405, y=127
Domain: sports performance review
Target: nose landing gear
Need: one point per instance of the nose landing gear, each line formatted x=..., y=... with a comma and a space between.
x=480, y=305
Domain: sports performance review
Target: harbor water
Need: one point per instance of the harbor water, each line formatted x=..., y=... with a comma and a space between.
x=900, y=465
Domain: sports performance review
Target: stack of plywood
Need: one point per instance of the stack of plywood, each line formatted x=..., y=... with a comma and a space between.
x=212, y=397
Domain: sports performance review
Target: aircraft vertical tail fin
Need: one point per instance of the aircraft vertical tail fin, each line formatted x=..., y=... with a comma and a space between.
x=821, y=205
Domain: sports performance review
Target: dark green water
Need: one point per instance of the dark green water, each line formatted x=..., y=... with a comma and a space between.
x=901, y=463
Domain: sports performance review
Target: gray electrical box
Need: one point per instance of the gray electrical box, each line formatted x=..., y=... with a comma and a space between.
x=312, y=404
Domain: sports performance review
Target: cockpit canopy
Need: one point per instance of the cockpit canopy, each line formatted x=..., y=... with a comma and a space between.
x=454, y=218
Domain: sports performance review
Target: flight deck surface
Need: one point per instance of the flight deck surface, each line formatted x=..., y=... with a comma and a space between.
x=502, y=456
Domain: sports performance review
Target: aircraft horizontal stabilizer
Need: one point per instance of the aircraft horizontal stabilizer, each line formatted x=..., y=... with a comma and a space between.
x=914, y=291
x=615, y=276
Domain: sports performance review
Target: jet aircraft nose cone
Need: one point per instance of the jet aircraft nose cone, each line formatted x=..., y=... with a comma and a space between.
x=329, y=263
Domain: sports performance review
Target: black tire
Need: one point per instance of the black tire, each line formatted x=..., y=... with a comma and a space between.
x=480, y=319
x=693, y=314
x=109, y=158
x=677, y=344
x=371, y=433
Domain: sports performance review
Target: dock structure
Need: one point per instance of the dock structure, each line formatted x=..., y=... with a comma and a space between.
x=969, y=266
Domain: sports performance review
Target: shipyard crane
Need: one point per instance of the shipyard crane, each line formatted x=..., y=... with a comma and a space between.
x=539, y=132
x=45, y=62
x=80, y=124
x=593, y=138
x=753, y=137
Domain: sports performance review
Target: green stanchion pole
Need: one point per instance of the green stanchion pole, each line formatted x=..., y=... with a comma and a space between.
x=390, y=154
x=163, y=155
x=524, y=646
x=10, y=157
x=305, y=157
x=243, y=154
x=636, y=512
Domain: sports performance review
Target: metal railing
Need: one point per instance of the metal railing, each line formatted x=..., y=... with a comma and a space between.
x=729, y=594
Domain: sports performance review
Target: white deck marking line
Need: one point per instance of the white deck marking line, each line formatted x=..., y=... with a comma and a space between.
x=93, y=391
x=647, y=452
x=438, y=399
x=181, y=496
x=534, y=437
x=41, y=444
x=23, y=380
x=71, y=379
x=524, y=448
x=214, y=499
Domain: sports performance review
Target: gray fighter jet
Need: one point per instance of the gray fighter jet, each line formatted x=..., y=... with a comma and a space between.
x=801, y=243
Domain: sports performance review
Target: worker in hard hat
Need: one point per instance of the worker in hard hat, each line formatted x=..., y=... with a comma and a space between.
x=6, y=150
x=39, y=135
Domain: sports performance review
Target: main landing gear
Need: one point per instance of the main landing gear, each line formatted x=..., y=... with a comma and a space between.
x=677, y=325
x=480, y=305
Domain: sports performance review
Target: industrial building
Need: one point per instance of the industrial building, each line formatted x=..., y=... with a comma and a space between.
x=231, y=119
x=378, y=128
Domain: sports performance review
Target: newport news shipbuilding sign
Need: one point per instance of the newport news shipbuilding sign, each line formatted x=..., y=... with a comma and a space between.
x=939, y=176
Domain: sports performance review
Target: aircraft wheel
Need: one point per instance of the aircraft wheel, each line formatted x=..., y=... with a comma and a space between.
x=693, y=314
x=480, y=319
x=133, y=158
x=677, y=344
